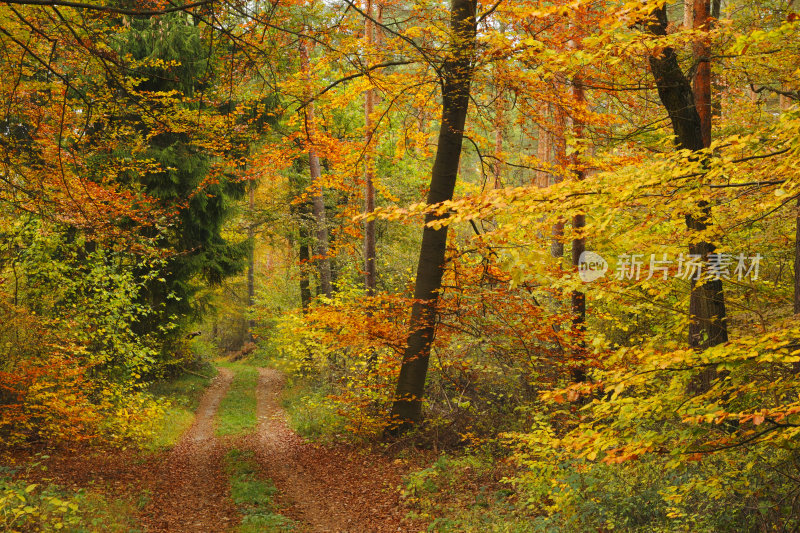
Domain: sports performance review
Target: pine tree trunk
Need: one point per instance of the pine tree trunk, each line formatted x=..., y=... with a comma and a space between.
x=702, y=77
x=456, y=78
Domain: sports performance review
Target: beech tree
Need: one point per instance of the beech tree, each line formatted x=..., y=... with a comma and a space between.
x=691, y=122
x=456, y=74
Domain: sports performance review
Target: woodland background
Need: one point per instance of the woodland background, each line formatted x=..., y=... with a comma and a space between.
x=388, y=201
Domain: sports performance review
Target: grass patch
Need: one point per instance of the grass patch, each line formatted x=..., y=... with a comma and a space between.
x=253, y=497
x=182, y=396
x=34, y=507
x=237, y=411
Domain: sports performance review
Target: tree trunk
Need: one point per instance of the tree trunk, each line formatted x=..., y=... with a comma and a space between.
x=579, y=242
x=318, y=200
x=498, y=144
x=305, y=257
x=251, y=265
x=708, y=323
x=543, y=151
x=797, y=261
x=702, y=76
x=370, y=268
x=456, y=78
x=559, y=156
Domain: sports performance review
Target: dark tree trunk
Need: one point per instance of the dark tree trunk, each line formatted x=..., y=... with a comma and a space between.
x=370, y=268
x=578, y=243
x=708, y=324
x=797, y=261
x=251, y=266
x=456, y=77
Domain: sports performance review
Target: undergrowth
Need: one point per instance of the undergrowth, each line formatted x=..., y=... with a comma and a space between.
x=26, y=507
x=310, y=412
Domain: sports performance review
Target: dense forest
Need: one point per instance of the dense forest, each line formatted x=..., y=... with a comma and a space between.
x=370, y=265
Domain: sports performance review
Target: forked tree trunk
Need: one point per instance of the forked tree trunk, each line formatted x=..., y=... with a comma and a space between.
x=456, y=78
x=318, y=200
x=708, y=323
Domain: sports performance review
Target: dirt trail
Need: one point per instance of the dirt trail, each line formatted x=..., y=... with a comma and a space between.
x=328, y=489
x=192, y=493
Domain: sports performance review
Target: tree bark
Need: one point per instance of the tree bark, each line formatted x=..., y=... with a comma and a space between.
x=702, y=76
x=708, y=323
x=370, y=268
x=318, y=199
x=578, y=298
x=559, y=155
x=543, y=151
x=456, y=77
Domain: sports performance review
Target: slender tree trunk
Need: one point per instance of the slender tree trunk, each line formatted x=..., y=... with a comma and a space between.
x=716, y=9
x=708, y=324
x=251, y=264
x=579, y=242
x=498, y=144
x=370, y=268
x=559, y=155
x=305, y=257
x=318, y=199
x=456, y=78
x=543, y=152
x=797, y=261
x=688, y=12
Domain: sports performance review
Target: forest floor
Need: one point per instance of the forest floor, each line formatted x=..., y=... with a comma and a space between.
x=321, y=488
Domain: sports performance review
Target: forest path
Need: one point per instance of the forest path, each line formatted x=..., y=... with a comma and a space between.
x=192, y=493
x=328, y=488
